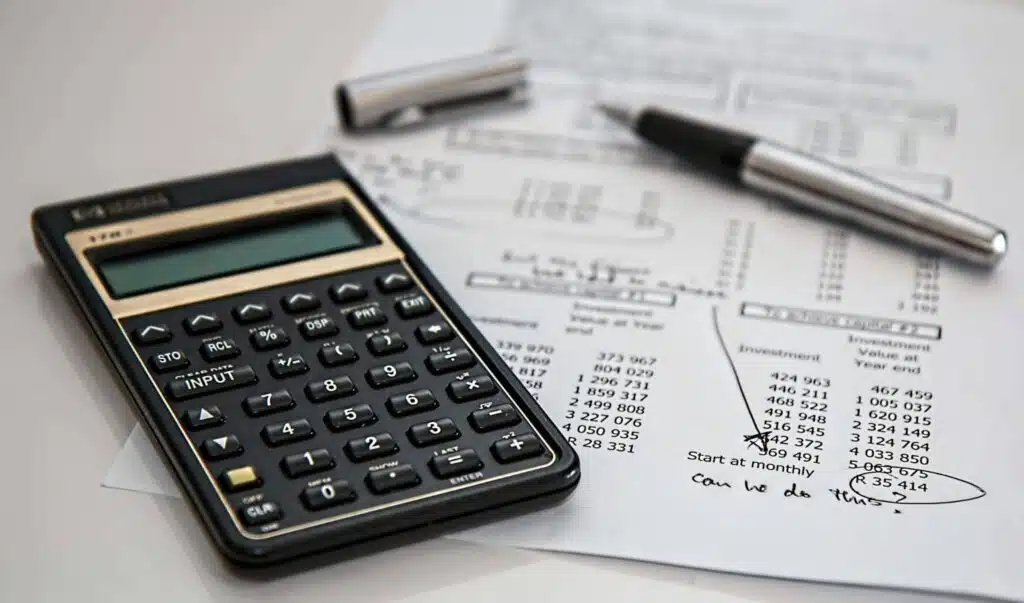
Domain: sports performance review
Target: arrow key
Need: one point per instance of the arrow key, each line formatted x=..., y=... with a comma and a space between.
x=248, y=313
x=221, y=448
x=300, y=302
x=202, y=323
x=396, y=281
x=434, y=333
x=348, y=292
x=151, y=334
x=202, y=418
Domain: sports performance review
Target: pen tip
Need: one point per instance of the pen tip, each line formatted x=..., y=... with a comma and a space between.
x=618, y=113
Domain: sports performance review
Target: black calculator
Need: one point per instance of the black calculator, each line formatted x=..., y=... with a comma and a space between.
x=311, y=384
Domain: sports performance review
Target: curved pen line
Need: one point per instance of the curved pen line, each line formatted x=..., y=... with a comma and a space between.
x=758, y=435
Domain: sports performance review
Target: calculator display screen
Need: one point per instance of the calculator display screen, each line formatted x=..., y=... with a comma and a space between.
x=231, y=253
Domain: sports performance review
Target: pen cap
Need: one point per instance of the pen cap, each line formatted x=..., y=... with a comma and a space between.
x=417, y=94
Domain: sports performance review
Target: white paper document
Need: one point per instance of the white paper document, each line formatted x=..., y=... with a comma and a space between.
x=750, y=389
x=570, y=582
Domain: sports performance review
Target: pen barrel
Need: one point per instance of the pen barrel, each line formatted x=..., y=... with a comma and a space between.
x=852, y=197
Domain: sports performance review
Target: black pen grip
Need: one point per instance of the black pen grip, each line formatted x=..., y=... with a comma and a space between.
x=706, y=146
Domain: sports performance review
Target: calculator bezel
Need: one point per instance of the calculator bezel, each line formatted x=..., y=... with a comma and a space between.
x=68, y=249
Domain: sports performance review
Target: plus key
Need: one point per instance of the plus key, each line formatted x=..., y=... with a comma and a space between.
x=509, y=450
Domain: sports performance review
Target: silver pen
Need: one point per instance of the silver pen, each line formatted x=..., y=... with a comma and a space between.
x=815, y=184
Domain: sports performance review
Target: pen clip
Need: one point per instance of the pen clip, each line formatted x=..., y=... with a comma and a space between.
x=426, y=93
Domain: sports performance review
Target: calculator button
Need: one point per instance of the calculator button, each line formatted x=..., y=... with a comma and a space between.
x=260, y=513
x=285, y=433
x=395, y=478
x=348, y=292
x=434, y=333
x=315, y=328
x=413, y=402
x=413, y=307
x=452, y=360
x=456, y=463
x=516, y=449
x=497, y=417
x=433, y=432
x=269, y=339
x=268, y=403
x=221, y=448
x=311, y=461
x=219, y=349
x=168, y=361
x=337, y=354
x=396, y=281
x=367, y=316
x=212, y=382
x=201, y=418
x=386, y=343
x=249, y=313
x=241, y=478
x=151, y=334
x=300, y=302
x=202, y=323
x=390, y=374
x=471, y=388
x=287, y=366
x=327, y=495
x=371, y=447
x=351, y=417
x=330, y=389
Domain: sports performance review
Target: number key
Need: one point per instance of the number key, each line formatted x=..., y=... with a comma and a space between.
x=327, y=495
x=352, y=417
x=433, y=432
x=409, y=403
x=330, y=389
x=386, y=343
x=371, y=447
x=285, y=433
x=390, y=374
x=265, y=404
x=311, y=461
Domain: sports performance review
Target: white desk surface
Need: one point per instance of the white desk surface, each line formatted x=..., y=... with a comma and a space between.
x=105, y=94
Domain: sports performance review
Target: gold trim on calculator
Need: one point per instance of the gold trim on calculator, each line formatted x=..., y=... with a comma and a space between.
x=304, y=197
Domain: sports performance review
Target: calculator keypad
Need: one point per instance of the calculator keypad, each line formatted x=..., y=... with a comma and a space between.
x=330, y=396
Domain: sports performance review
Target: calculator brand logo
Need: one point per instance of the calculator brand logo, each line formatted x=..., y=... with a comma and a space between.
x=120, y=207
